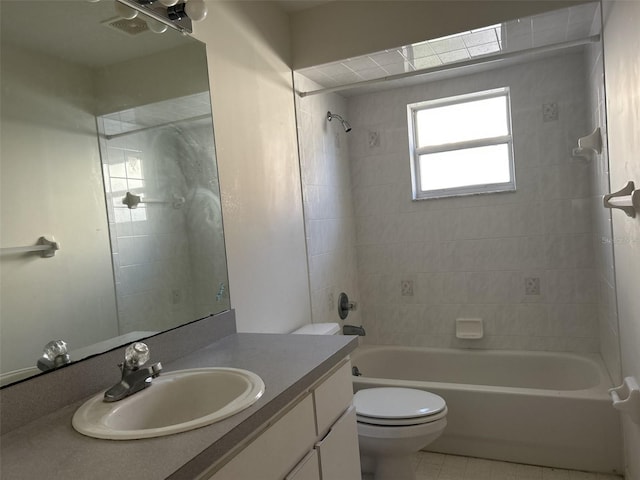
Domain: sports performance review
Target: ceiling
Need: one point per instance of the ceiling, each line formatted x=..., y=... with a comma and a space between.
x=562, y=25
x=290, y=6
x=75, y=31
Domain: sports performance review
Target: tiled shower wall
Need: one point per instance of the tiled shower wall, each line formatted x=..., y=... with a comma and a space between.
x=601, y=217
x=150, y=248
x=328, y=207
x=470, y=256
x=168, y=259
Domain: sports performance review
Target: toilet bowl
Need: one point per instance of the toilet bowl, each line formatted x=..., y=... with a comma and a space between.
x=393, y=423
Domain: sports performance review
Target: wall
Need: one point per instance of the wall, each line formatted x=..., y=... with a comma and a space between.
x=253, y=107
x=141, y=77
x=328, y=206
x=50, y=158
x=469, y=256
x=601, y=217
x=622, y=73
x=395, y=23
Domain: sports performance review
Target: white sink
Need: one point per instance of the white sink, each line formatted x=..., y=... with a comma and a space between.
x=175, y=402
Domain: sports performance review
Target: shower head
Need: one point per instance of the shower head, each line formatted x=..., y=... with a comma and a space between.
x=345, y=124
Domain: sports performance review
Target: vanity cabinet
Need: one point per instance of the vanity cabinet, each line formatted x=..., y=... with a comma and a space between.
x=315, y=438
x=307, y=469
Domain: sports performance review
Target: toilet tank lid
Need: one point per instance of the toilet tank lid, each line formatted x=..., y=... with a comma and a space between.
x=319, y=329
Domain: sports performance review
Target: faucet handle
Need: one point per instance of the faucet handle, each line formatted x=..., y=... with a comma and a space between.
x=54, y=355
x=55, y=348
x=136, y=355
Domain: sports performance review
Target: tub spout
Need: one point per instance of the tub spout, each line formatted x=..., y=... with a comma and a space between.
x=353, y=330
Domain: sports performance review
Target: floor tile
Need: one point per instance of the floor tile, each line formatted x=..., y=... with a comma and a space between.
x=438, y=466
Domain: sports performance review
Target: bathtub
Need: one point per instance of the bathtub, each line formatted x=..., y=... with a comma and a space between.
x=539, y=408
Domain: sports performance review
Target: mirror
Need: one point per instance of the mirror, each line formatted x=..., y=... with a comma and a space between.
x=108, y=153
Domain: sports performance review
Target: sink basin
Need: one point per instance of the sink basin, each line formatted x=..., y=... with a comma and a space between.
x=175, y=402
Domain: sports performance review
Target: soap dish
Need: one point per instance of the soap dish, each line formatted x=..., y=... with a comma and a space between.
x=469, y=328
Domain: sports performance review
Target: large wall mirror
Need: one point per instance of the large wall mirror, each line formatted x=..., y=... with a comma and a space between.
x=107, y=152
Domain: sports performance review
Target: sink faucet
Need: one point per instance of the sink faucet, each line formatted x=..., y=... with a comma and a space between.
x=134, y=377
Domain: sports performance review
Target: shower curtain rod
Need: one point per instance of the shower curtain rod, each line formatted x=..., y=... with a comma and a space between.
x=144, y=129
x=466, y=63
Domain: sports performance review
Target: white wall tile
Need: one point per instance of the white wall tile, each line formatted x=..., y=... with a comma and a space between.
x=329, y=219
x=470, y=255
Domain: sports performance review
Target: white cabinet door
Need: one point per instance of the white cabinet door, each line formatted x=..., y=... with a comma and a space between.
x=339, y=452
x=307, y=469
x=277, y=450
x=333, y=397
x=326, y=413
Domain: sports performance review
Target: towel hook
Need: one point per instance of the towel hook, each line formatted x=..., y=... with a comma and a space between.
x=627, y=200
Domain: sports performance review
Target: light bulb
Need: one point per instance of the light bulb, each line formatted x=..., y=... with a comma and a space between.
x=125, y=12
x=156, y=26
x=196, y=10
x=168, y=3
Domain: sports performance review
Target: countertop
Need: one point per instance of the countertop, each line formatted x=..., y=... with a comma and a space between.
x=50, y=448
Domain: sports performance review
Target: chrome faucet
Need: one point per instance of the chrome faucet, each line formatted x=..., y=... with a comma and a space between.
x=134, y=377
x=55, y=355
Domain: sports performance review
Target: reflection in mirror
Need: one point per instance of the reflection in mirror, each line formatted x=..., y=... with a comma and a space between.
x=97, y=109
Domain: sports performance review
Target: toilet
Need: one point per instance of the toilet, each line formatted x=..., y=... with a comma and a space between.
x=393, y=423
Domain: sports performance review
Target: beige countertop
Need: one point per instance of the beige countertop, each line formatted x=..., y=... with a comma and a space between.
x=289, y=364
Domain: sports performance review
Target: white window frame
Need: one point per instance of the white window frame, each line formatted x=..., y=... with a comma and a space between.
x=415, y=152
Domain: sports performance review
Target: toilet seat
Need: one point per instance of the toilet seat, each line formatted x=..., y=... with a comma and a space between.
x=390, y=406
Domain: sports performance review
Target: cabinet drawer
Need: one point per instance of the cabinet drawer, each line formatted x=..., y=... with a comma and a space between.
x=339, y=451
x=333, y=397
x=277, y=450
x=307, y=469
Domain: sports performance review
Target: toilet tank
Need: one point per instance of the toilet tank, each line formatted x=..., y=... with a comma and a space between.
x=319, y=329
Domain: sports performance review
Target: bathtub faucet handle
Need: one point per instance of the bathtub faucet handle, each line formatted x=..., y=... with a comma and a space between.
x=345, y=306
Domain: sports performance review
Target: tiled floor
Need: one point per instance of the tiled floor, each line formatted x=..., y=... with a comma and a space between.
x=437, y=466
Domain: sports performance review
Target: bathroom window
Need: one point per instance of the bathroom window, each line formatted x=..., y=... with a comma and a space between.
x=461, y=145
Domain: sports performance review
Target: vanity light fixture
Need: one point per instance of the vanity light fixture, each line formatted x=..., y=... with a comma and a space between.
x=196, y=10
x=178, y=14
x=157, y=27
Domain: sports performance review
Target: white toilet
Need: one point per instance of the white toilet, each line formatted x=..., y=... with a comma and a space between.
x=393, y=423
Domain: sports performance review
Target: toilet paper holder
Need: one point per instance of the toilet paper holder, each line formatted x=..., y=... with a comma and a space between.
x=626, y=398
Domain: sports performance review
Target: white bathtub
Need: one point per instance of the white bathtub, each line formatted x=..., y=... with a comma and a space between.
x=540, y=408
